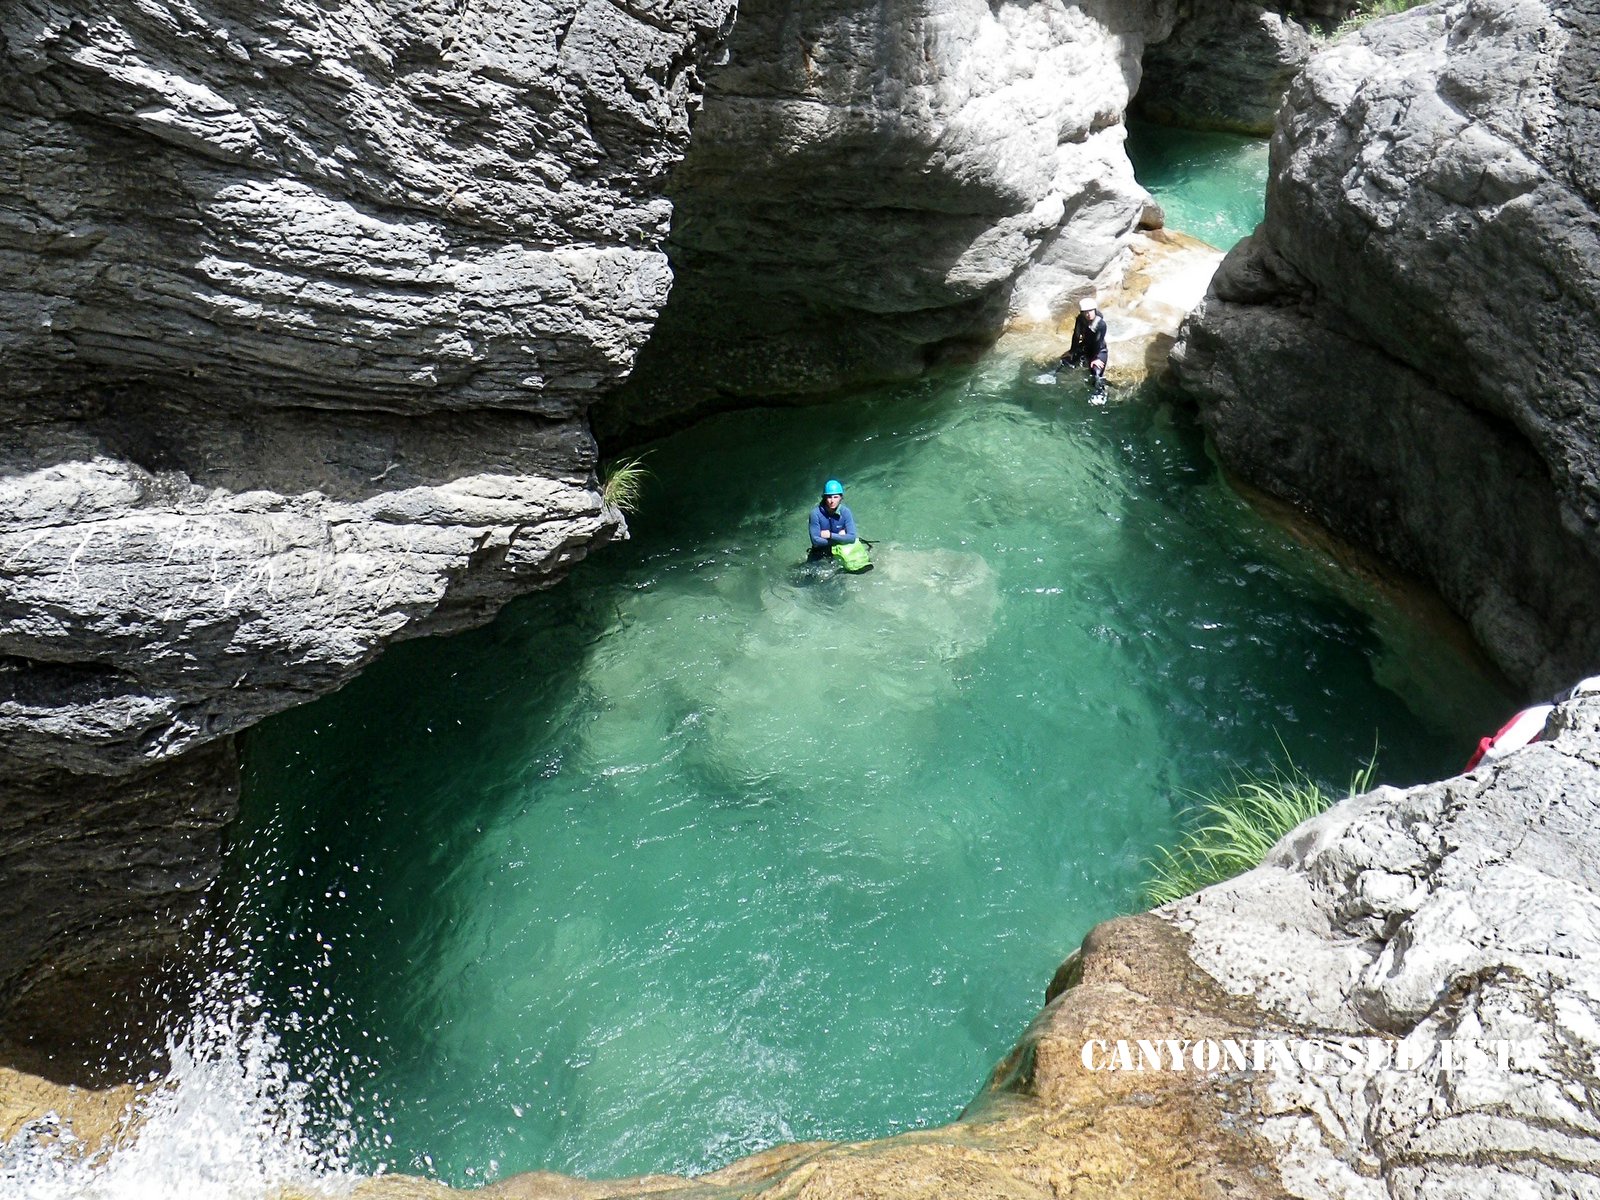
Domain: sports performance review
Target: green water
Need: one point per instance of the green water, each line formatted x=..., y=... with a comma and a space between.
x=699, y=853
x=1210, y=185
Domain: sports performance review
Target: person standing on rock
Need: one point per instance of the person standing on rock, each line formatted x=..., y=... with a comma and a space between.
x=831, y=522
x=1088, y=344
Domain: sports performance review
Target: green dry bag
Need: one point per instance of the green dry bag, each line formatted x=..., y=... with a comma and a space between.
x=853, y=556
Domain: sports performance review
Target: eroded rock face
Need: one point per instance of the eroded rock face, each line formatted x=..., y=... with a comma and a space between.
x=871, y=186
x=301, y=309
x=1465, y=912
x=408, y=206
x=1407, y=348
x=1228, y=62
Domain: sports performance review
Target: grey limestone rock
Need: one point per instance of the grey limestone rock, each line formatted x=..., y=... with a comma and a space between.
x=1228, y=63
x=873, y=186
x=404, y=206
x=301, y=309
x=1407, y=347
x=1462, y=912
x=101, y=875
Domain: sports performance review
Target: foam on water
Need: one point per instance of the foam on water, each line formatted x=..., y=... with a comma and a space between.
x=229, y=1120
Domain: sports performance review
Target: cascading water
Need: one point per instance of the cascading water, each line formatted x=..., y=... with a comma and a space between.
x=228, y=1119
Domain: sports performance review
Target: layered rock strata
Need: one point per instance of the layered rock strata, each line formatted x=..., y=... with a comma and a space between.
x=301, y=308
x=1407, y=348
x=871, y=187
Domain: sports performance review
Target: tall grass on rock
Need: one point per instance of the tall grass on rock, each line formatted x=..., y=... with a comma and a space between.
x=1239, y=825
x=624, y=483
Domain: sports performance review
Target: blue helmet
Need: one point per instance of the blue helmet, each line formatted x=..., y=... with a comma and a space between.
x=833, y=488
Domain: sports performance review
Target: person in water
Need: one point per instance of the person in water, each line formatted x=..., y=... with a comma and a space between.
x=831, y=522
x=1088, y=344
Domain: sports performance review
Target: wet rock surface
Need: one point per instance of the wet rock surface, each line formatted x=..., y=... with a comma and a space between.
x=1406, y=348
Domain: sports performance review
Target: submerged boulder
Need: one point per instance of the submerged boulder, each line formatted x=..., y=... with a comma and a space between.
x=1407, y=347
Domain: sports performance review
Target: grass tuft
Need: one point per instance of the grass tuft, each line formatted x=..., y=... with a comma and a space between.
x=624, y=483
x=1371, y=10
x=1241, y=824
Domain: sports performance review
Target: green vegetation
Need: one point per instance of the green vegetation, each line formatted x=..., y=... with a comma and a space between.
x=624, y=483
x=1241, y=824
x=1371, y=10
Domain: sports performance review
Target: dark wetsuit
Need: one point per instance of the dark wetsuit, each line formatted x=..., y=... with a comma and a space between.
x=1088, y=347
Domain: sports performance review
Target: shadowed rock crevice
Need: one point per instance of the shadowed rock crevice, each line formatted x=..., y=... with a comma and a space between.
x=83, y=996
x=1228, y=63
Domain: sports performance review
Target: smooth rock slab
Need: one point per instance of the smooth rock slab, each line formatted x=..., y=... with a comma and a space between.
x=1467, y=910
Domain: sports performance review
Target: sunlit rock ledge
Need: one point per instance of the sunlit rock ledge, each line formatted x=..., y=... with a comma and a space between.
x=1166, y=275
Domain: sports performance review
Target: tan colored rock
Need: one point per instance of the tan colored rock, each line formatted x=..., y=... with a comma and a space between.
x=92, y=1116
x=1167, y=276
x=1045, y=1127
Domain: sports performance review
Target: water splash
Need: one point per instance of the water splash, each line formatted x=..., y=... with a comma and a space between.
x=227, y=1122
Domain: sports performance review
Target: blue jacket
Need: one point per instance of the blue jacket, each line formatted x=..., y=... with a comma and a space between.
x=841, y=526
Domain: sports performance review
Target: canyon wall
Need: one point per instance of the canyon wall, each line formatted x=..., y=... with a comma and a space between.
x=872, y=188
x=1228, y=62
x=1407, y=347
x=301, y=309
